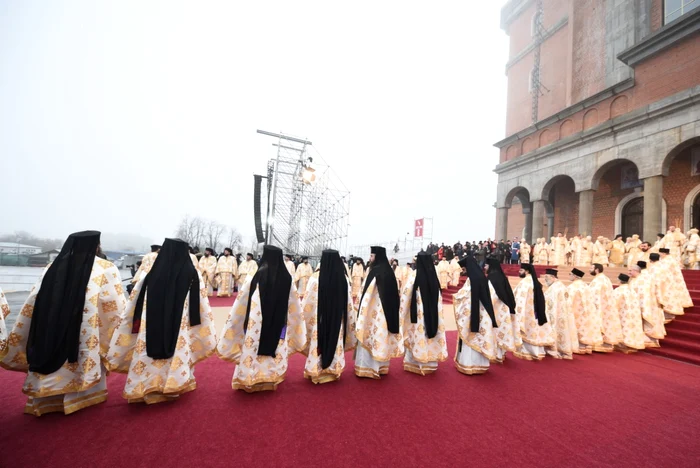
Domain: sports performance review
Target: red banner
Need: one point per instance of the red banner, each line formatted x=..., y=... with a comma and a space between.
x=419, y=228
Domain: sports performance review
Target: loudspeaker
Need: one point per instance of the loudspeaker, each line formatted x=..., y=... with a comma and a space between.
x=257, y=201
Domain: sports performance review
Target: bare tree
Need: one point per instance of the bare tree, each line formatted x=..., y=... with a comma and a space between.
x=212, y=233
x=235, y=241
x=191, y=230
x=204, y=233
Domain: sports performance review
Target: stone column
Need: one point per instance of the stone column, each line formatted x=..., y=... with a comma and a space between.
x=550, y=226
x=527, y=211
x=585, y=213
x=537, y=221
x=502, y=223
x=653, y=203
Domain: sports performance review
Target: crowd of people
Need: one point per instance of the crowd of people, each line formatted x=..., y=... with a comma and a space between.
x=67, y=341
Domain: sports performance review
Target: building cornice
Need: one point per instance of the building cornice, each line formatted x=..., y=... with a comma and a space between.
x=511, y=11
x=568, y=112
x=629, y=120
x=531, y=46
x=682, y=28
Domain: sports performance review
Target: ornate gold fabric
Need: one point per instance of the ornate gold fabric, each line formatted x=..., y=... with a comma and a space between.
x=168, y=377
x=423, y=350
x=588, y=321
x=4, y=312
x=484, y=341
x=104, y=303
x=207, y=267
x=226, y=274
x=626, y=304
x=246, y=269
x=645, y=288
x=301, y=278
x=444, y=273
x=674, y=241
x=259, y=373
x=562, y=320
x=524, y=252
x=530, y=330
x=146, y=265
x=371, y=329
x=602, y=295
x=312, y=367
x=358, y=274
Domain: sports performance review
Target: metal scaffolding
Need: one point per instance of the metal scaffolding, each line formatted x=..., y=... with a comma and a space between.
x=308, y=206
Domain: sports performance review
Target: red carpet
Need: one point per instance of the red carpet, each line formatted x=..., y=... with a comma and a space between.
x=215, y=301
x=601, y=410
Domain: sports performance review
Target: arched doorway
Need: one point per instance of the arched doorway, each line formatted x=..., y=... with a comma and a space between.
x=633, y=218
x=695, y=212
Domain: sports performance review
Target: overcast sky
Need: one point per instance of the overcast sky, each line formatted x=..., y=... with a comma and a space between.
x=123, y=116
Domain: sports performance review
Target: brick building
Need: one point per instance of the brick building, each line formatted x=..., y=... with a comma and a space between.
x=603, y=118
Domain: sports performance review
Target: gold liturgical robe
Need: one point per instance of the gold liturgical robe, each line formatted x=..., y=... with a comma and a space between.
x=226, y=273
x=680, y=289
x=4, y=313
x=576, y=248
x=525, y=252
x=626, y=304
x=644, y=287
x=375, y=344
x=255, y=373
x=247, y=269
x=586, y=251
x=156, y=380
x=443, y=271
x=455, y=271
x=588, y=322
x=75, y=385
x=207, y=266
x=674, y=242
x=634, y=253
x=422, y=353
x=312, y=367
x=600, y=254
x=558, y=251
x=602, y=296
x=692, y=256
x=302, y=276
x=562, y=320
x=476, y=350
x=290, y=267
x=195, y=262
x=617, y=252
x=358, y=274
x=146, y=265
x=534, y=336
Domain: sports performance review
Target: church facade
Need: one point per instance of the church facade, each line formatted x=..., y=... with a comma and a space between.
x=603, y=118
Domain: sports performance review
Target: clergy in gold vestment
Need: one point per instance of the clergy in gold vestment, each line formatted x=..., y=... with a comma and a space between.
x=670, y=278
x=290, y=265
x=588, y=322
x=617, y=251
x=398, y=273
x=4, y=313
x=226, y=273
x=378, y=327
x=264, y=327
x=544, y=252
x=600, y=254
x=626, y=304
x=560, y=317
x=508, y=332
x=358, y=274
x=329, y=316
x=207, y=266
x=602, y=298
x=421, y=315
x=63, y=357
x=246, y=269
x=576, y=248
x=673, y=240
x=680, y=288
x=586, y=251
x=474, y=305
x=146, y=263
x=531, y=314
x=455, y=271
x=303, y=273
x=557, y=254
x=644, y=287
x=165, y=330
x=634, y=253
x=443, y=271
x=691, y=254
x=525, y=252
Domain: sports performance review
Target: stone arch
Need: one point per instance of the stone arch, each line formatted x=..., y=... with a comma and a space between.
x=621, y=206
x=511, y=152
x=527, y=145
x=688, y=208
x=619, y=106
x=590, y=118
x=600, y=172
x=666, y=164
x=552, y=182
x=566, y=128
x=547, y=137
x=521, y=193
